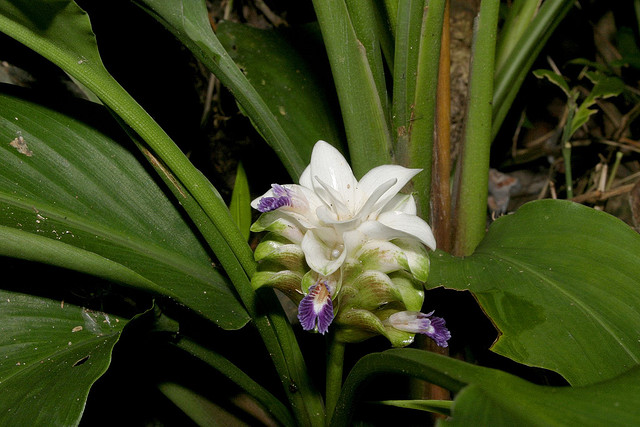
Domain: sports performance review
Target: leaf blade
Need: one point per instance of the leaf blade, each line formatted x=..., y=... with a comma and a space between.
x=490, y=397
x=189, y=22
x=560, y=281
x=51, y=354
x=93, y=203
x=281, y=68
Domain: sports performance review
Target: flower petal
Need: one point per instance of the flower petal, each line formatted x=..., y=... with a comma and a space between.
x=334, y=201
x=401, y=203
x=305, y=178
x=321, y=257
x=409, y=225
x=421, y=323
x=395, y=225
x=280, y=197
x=316, y=306
x=293, y=200
x=332, y=168
x=373, y=204
x=378, y=175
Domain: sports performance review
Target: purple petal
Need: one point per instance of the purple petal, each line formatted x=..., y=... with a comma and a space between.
x=421, y=323
x=316, y=305
x=440, y=333
x=282, y=197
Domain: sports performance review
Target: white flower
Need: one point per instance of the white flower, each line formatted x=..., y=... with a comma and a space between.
x=347, y=250
x=336, y=213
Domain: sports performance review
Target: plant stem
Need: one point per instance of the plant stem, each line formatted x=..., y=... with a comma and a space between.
x=440, y=184
x=335, y=361
x=474, y=175
x=614, y=170
x=566, y=146
x=422, y=123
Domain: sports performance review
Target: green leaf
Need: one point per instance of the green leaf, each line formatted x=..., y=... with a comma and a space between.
x=365, y=117
x=269, y=402
x=409, y=17
x=74, y=197
x=554, y=78
x=292, y=86
x=61, y=32
x=517, y=64
x=189, y=22
x=561, y=282
x=70, y=23
x=605, y=87
x=519, y=16
x=422, y=103
x=51, y=353
x=490, y=397
x=373, y=36
x=202, y=411
x=240, y=206
x=437, y=406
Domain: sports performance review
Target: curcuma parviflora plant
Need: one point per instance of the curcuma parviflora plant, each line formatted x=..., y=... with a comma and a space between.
x=350, y=244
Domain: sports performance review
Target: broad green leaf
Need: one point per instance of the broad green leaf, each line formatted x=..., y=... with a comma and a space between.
x=373, y=36
x=561, y=282
x=61, y=32
x=240, y=202
x=51, y=353
x=67, y=40
x=409, y=17
x=291, y=85
x=86, y=203
x=189, y=22
x=488, y=397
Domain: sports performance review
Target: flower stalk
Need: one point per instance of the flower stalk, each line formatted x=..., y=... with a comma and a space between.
x=335, y=363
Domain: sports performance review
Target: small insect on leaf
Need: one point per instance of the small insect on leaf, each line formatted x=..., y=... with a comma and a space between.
x=19, y=144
